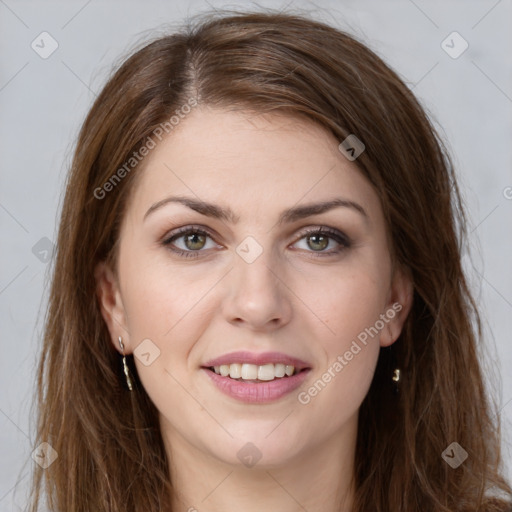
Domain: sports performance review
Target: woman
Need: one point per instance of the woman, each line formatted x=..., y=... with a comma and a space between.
x=258, y=300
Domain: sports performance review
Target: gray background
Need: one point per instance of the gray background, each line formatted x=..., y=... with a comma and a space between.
x=43, y=102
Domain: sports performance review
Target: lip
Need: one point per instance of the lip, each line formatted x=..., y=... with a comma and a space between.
x=258, y=359
x=256, y=392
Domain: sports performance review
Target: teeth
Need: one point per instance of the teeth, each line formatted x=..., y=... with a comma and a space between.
x=247, y=371
x=266, y=372
x=279, y=370
x=235, y=371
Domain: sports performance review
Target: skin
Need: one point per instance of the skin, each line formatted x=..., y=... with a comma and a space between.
x=289, y=300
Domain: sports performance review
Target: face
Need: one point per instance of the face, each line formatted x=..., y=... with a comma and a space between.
x=257, y=285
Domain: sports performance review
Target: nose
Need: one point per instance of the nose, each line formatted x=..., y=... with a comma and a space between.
x=259, y=297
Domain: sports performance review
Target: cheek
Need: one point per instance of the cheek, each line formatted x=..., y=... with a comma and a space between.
x=171, y=307
x=350, y=309
x=337, y=391
x=344, y=301
x=160, y=299
x=339, y=385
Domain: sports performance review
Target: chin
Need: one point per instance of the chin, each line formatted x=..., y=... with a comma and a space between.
x=257, y=447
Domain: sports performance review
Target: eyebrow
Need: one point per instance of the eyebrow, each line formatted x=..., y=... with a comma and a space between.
x=287, y=216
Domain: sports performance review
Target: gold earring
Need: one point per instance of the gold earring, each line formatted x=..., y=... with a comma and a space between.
x=396, y=372
x=396, y=380
x=125, y=366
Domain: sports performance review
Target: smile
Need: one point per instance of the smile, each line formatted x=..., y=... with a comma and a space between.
x=247, y=371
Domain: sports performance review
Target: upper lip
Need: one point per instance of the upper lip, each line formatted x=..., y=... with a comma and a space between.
x=257, y=359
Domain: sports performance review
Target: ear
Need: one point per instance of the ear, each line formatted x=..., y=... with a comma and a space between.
x=111, y=304
x=398, y=306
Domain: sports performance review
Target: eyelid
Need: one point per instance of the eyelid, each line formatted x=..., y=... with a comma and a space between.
x=193, y=228
x=333, y=232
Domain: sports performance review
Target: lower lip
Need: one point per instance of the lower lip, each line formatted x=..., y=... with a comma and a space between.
x=257, y=392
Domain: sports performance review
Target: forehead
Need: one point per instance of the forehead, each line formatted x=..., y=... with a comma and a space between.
x=250, y=161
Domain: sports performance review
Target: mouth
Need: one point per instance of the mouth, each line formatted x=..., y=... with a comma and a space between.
x=256, y=384
x=257, y=378
x=246, y=372
x=246, y=366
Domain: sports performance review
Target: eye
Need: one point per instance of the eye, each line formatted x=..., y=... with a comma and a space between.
x=319, y=239
x=194, y=239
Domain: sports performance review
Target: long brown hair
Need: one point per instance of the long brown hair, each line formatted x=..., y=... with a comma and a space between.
x=110, y=451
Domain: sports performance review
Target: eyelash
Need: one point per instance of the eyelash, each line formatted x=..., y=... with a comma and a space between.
x=333, y=234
